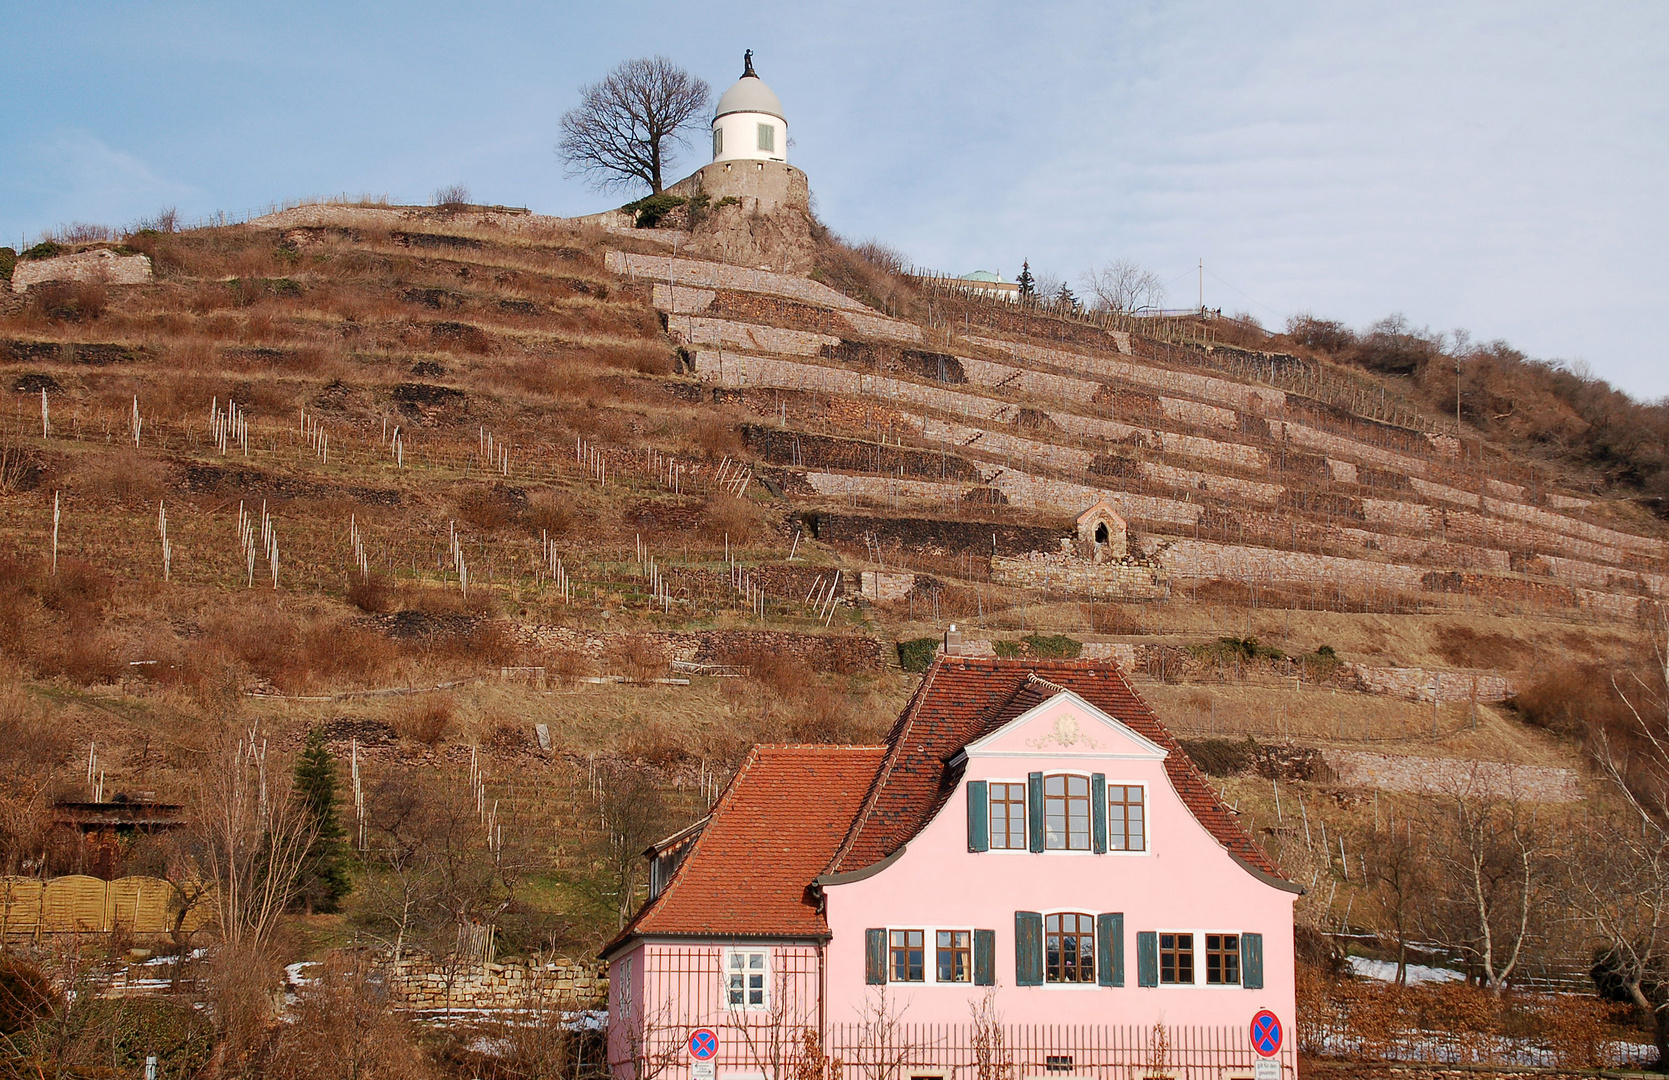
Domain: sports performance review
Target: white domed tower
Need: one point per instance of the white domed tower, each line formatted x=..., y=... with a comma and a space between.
x=748, y=125
x=750, y=166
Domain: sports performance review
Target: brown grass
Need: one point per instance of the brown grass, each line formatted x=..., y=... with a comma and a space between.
x=426, y=718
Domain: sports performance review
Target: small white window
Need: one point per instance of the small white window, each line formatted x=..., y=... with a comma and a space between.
x=718, y=141
x=768, y=138
x=746, y=975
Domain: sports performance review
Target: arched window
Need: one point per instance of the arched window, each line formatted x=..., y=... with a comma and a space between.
x=1069, y=948
x=1066, y=811
x=1101, y=532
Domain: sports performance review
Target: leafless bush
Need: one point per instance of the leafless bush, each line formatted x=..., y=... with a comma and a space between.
x=452, y=197
x=731, y=516
x=69, y=301
x=371, y=592
x=638, y=658
x=344, y=1027
x=426, y=718
x=83, y=232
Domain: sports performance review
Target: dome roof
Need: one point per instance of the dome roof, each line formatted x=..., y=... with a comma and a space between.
x=750, y=94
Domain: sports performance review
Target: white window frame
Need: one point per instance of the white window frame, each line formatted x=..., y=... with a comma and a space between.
x=1087, y=849
x=1195, y=950
x=1199, y=982
x=765, y=978
x=935, y=932
x=1095, y=952
x=1147, y=822
x=930, y=947
x=1026, y=810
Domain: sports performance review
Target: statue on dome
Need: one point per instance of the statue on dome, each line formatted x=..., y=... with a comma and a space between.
x=747, y=66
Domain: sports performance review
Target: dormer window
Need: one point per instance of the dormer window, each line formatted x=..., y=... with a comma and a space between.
x=1066, y=812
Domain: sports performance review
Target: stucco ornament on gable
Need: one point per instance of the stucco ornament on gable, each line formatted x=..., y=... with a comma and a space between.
x=1066, y=734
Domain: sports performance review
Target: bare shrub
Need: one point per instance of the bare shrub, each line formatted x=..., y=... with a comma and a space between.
x=123, y=475
x=716, y=437
x=69, y=301
x=731, y=516
x=551, y=512
x=1107, y=618
x=1468, y=646
x=638, y=658
x=344, y=1026
x=568, y=665
x=426, y=718
x=452, y=197
x=371, y=592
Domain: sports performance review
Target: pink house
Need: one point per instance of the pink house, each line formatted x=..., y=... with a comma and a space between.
x=1030, y=877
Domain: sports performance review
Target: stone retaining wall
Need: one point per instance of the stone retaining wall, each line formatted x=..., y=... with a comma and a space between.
x=102, y=266
x=842, y=653
x=712, y=275
x=1424, y=684
x=1132, y=580
x=421, y=983
x=1438, y=776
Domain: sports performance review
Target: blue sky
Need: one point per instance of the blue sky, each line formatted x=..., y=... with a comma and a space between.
x=1494, y=166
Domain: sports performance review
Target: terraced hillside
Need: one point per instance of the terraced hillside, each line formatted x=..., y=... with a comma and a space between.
x=345, y=449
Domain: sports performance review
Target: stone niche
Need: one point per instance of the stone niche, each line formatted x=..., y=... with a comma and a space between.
x=1103, y=535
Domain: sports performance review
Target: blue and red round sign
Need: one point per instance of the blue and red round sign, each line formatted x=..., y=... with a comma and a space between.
x=1266, y=1033
x=704, y=1043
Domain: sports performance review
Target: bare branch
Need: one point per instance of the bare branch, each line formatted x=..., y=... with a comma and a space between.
x=621, y=133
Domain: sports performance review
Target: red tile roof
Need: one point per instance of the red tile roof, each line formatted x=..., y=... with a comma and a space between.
x=963, y=698
x=771, y=833
x=794, y=813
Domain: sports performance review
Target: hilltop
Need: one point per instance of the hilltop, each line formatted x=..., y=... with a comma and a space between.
x=577, y=479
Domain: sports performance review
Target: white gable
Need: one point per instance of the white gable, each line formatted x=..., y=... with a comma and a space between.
x=1066, y=726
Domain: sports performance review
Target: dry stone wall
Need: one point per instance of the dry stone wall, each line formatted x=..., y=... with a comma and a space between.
x=712, y=275
x=102, y=266
x=420, y=982
x=1436, y=776
x=693, y=330
x=1258, y=399
x=1427, y=684
x=1061, y=572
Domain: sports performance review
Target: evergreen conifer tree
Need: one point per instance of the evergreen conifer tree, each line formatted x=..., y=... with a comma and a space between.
x=324, y=879
x=1027, y=283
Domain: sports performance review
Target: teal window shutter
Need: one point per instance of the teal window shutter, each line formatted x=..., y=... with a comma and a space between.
x=1147, y=958
x=1109, y=948
x=985, y=958
x=768, y=138
x=718, y=141
x=1034, y=809
x=1251, y=961
x=1028, y=948
x=1098, y=812
x=979, y=817
x=875, y=956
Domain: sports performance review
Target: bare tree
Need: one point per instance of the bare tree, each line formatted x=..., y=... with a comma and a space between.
x=1620, y=875
x=249, y=840
x=1492, y=878
x=1124, y=287
x=621, y=133
x=993, y=1057
x=1395, y=869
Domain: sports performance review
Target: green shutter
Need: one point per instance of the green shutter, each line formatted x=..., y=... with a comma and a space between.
x=1028, y=948
x=1251, y=961
x=1034, y=809
x=1109, y=948
x=1147, y=958
x=985, y=958
x=1098, y=812
x=875, y=956
x=979, y=817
